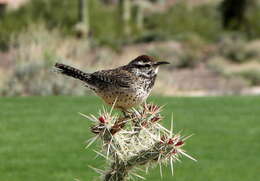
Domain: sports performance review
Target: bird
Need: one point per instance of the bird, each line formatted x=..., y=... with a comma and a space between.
x=123, y=87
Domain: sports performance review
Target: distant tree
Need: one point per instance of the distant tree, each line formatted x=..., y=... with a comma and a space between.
x=2, y=8
x=234, y=13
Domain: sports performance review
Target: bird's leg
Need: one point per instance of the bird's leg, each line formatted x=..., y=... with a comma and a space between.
x=127, y=114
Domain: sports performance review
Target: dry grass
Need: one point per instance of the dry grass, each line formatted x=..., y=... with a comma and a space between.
x=39, y=44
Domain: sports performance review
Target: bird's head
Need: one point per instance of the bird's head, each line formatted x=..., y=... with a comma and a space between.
x=146, y=65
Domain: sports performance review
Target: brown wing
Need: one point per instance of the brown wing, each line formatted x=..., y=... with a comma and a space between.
x=116, y=77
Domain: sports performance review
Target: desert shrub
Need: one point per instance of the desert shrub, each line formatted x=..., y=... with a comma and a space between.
x=180, y=55
x=62, y=15
x=252, y=48
x=34, y=53
x=252, y=75
x=249, y=72
x=38, y=43
x=193, y=46
x=181, y=20
x=218, y=64
x=189, y=59
x=253, y=24
x=177, y=22
x=169, y=52
x=152, y=36
x=193, y=40
x=54, y=12
x=37, y=78
x=233, y=47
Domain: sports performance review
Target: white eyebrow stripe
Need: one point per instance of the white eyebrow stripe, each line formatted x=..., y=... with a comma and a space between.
x=140, y=63
x=143, y=63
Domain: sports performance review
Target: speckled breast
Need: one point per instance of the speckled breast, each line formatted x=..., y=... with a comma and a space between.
x=125, y=99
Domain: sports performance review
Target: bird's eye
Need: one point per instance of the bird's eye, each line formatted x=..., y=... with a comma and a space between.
x=147, y=65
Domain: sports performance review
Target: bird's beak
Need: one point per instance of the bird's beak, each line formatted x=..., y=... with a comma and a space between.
x=160, y=63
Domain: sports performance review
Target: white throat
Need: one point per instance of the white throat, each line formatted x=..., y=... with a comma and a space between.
x=156, y=70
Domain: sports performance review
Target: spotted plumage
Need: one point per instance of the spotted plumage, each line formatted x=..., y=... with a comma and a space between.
x=127, y=86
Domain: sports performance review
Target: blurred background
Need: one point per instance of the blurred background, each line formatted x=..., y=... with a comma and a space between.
x=213, y=45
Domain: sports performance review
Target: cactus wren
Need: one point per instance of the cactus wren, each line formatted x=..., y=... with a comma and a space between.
x=127, y=86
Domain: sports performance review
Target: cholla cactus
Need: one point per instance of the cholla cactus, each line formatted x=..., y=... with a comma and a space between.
x=135, y=140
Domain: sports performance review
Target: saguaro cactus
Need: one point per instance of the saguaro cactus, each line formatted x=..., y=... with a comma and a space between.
x=124, y=7
x=82, y=27
x=133, y=141
x=139, y=15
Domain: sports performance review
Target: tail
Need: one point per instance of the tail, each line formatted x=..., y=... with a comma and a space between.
x=72, y=72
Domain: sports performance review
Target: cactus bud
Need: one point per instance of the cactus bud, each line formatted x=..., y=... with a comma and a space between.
x=102, y=119
x=179, y=143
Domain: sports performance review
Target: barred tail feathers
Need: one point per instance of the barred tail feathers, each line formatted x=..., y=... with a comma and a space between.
x=72, y=72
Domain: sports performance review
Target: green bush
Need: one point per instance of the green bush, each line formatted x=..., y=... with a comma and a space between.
x=253, y=27
x=52, y=12
x=181, y=20
x=34, y=54
x=59, y=14
x=236, y=48
x=232, y=47
x=176, y=23
x=151, y=36
x=252, y=75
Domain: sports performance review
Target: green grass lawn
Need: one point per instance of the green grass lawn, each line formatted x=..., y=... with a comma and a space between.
x=42, y=138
